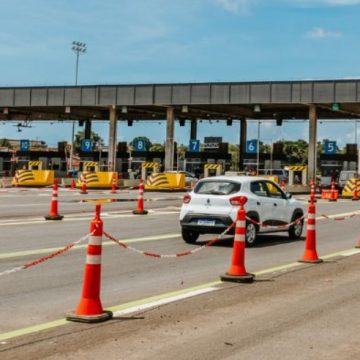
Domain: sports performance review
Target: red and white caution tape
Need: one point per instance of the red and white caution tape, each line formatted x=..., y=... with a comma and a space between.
x=44, y=258
x=282, y=226
x=167, y=256
x=337, y=218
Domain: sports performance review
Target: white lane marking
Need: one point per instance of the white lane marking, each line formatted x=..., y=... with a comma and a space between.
x=165, y=301
x=350, y=252
x=24, y=253
x=40, y=220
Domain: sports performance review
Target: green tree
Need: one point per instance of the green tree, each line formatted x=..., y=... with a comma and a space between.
x=5, y=143
x=156, y=147
x=234, y=152
x=96, y=138
x=296, y=152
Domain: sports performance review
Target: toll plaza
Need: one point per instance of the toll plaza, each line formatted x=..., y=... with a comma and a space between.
x=189, y=102
x=213, y=151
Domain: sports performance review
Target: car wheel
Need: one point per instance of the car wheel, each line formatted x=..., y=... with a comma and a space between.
x=189, y=236
x=295, y=230
x=250, y=235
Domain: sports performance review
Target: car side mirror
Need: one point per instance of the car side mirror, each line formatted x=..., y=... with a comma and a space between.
x=288, y=195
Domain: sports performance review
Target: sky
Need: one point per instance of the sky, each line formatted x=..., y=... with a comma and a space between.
x=156, y=41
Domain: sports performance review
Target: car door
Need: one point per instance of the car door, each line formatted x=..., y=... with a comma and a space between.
x=263, y=204
x=280, y=213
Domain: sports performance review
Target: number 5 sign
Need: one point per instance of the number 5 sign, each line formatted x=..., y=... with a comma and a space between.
x=251, y=146
x=330, y=147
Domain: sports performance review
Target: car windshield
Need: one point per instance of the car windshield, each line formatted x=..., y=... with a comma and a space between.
x=217, y=187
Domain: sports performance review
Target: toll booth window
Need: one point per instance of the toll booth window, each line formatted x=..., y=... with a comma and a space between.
x=217, y=187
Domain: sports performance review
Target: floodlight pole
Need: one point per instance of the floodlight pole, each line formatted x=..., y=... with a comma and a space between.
x=78, y=48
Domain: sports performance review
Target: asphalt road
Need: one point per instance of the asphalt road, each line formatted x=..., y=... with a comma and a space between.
x=45, y=292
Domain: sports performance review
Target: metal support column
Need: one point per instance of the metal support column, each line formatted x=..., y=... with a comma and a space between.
x=169, y=145
x=312, y=154
x=112, y=139
x=87, y=134
x=242, y=148
x=193, y=130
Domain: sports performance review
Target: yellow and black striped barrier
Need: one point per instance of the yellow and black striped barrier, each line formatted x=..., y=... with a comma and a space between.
x=97, y=180
x=33, y=178
x=349, y=187
x=165, y=181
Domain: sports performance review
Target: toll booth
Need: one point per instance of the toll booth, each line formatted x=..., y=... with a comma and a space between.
x=148, y=168
x=213, y=151
x=297, y=175
x=89, y=166
x=332, y=164
x=274, y=160
x=35, y=165
x=212, y=170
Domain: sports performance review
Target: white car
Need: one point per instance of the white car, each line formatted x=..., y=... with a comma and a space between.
x=213, y=205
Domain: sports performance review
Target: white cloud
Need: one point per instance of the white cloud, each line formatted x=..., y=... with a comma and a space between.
x=320, y=33
x=241, y=7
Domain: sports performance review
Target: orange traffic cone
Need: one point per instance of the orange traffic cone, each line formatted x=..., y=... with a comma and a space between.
x=333, y=196
x=310, y=254
x=355, y=194
x=140, y=204
x=282, y=185
x=83, y=186
x=237, y=271
x=53, y=213
x=90, y=308
x=358, y=244
x=113, y=185
x=72, y=185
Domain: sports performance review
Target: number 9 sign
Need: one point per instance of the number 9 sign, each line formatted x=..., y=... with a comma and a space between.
x=86, y=145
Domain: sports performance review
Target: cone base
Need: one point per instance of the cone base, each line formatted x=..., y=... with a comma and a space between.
x=53, y=217
x=315, y=261
x=106, y=315
x=247, y=278
x=140, y=212
x=83, y=192
x=332, y=200
x=356, y=199
x=357, y=246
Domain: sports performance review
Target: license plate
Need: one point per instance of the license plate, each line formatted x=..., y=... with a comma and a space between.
x=206, y=222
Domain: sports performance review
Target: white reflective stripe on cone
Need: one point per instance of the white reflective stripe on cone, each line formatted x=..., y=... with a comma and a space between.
x=54, y=199
x=95, y=240
x=311, y=216
x=239, y=237
x=240, y=223
x=310, y=227
x=93, y=259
